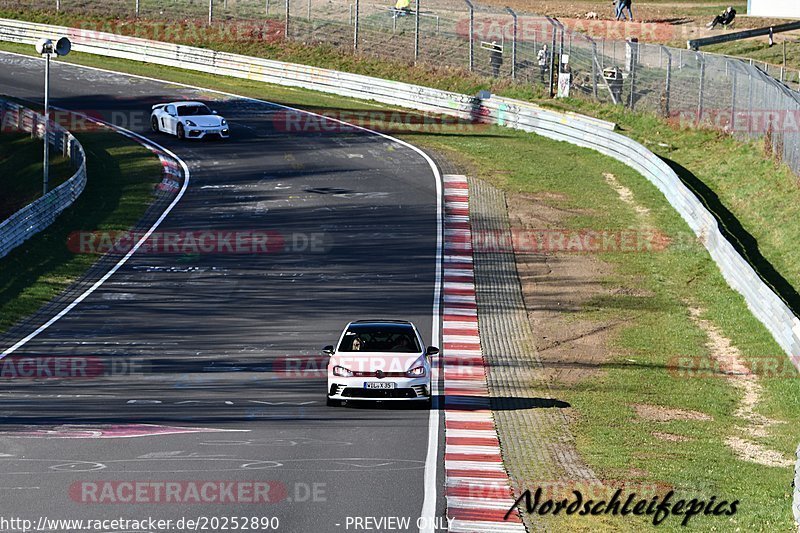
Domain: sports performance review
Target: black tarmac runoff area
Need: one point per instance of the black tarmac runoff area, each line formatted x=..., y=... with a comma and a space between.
x=200, y=417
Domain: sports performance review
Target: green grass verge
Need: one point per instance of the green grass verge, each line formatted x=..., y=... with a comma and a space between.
x=760, y=50
x=119, y=190
x=21, y=171
x=658, y=328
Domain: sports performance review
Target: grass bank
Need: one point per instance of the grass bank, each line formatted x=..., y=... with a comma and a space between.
x=21, y=171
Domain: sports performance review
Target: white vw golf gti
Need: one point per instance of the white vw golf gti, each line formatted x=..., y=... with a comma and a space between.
x=380, y=360
x=188, y=120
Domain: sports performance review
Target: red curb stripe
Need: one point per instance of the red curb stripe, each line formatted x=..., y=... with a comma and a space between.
x=462, y=424
x=472, y=332
x=449, y=291
x=472, y=441
x=460, y=318
x=475, y=457
x=493, y=491
x=488, y=475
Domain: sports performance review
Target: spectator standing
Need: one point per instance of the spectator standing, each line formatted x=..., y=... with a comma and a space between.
x=496, y=59
x=542, y=58
x=622, y=5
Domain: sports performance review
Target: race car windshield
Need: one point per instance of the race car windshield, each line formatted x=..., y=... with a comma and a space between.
x=379, y=338
x=193, y=110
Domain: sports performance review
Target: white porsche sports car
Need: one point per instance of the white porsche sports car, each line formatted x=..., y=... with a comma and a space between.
x=379, y=360
x=188, y=120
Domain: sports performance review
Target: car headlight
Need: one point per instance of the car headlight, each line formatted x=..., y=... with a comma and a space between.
x=223, y=122
x=190, y=123
x=417, y=369
x=342, y=372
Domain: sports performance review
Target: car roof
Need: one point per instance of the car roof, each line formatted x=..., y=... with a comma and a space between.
x=184, y=103
x=382, y=321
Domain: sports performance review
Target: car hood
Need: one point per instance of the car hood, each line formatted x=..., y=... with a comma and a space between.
x=372, y=362
x=205, y=120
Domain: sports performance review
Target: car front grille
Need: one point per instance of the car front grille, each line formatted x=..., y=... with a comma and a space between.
x=360, y=374
x=353, y=392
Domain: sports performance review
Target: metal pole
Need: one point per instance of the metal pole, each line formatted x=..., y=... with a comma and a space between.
x=471, y=35
x=309, y=10
x=355, y=28
x=702, y=88
x=266, y=7
x=137, y=9
x=733, y=101
x=58, y=5
x=286, y=23
x=46, y=163
x=668, y=85
x=750, y=100
x=210, y=11
x=784, y=53
x=552, y=63
x=594, y=70
x=416, y=30
x=634, y=56
x=513, y=45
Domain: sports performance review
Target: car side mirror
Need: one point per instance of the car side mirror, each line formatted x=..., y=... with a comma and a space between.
x=328, y=350
x=432, y=350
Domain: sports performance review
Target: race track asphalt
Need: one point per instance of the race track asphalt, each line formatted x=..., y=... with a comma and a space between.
x=206, y=333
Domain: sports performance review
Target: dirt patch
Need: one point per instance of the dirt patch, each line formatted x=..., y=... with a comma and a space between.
x=755, y=453
x=670, y=437
x=730, y=361
x=556, y=287
x=625, y=194
x=657, y=413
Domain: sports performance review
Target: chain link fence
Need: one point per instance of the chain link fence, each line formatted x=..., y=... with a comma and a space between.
x=745, y=98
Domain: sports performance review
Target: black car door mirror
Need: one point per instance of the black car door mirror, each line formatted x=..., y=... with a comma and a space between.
x=328, y=350
x=432, y=350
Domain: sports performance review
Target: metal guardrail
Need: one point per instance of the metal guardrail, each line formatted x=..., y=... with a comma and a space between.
x=765, y=304
x=40, y=213
x=696, y=44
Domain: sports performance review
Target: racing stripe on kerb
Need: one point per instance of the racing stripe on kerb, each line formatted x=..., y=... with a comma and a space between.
x=477, y=486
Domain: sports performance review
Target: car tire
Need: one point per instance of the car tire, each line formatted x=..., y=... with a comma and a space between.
x=332, y=403
x=154, y=125
x=180, y=133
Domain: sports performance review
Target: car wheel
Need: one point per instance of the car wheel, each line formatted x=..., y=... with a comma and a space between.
x=154, y=125
x=180, y=132
x=333, y=403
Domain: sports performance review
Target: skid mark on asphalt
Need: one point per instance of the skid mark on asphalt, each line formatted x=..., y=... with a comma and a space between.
x=69, y=431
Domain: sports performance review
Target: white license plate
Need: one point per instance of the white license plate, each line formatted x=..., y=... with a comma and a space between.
x=379, y=385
